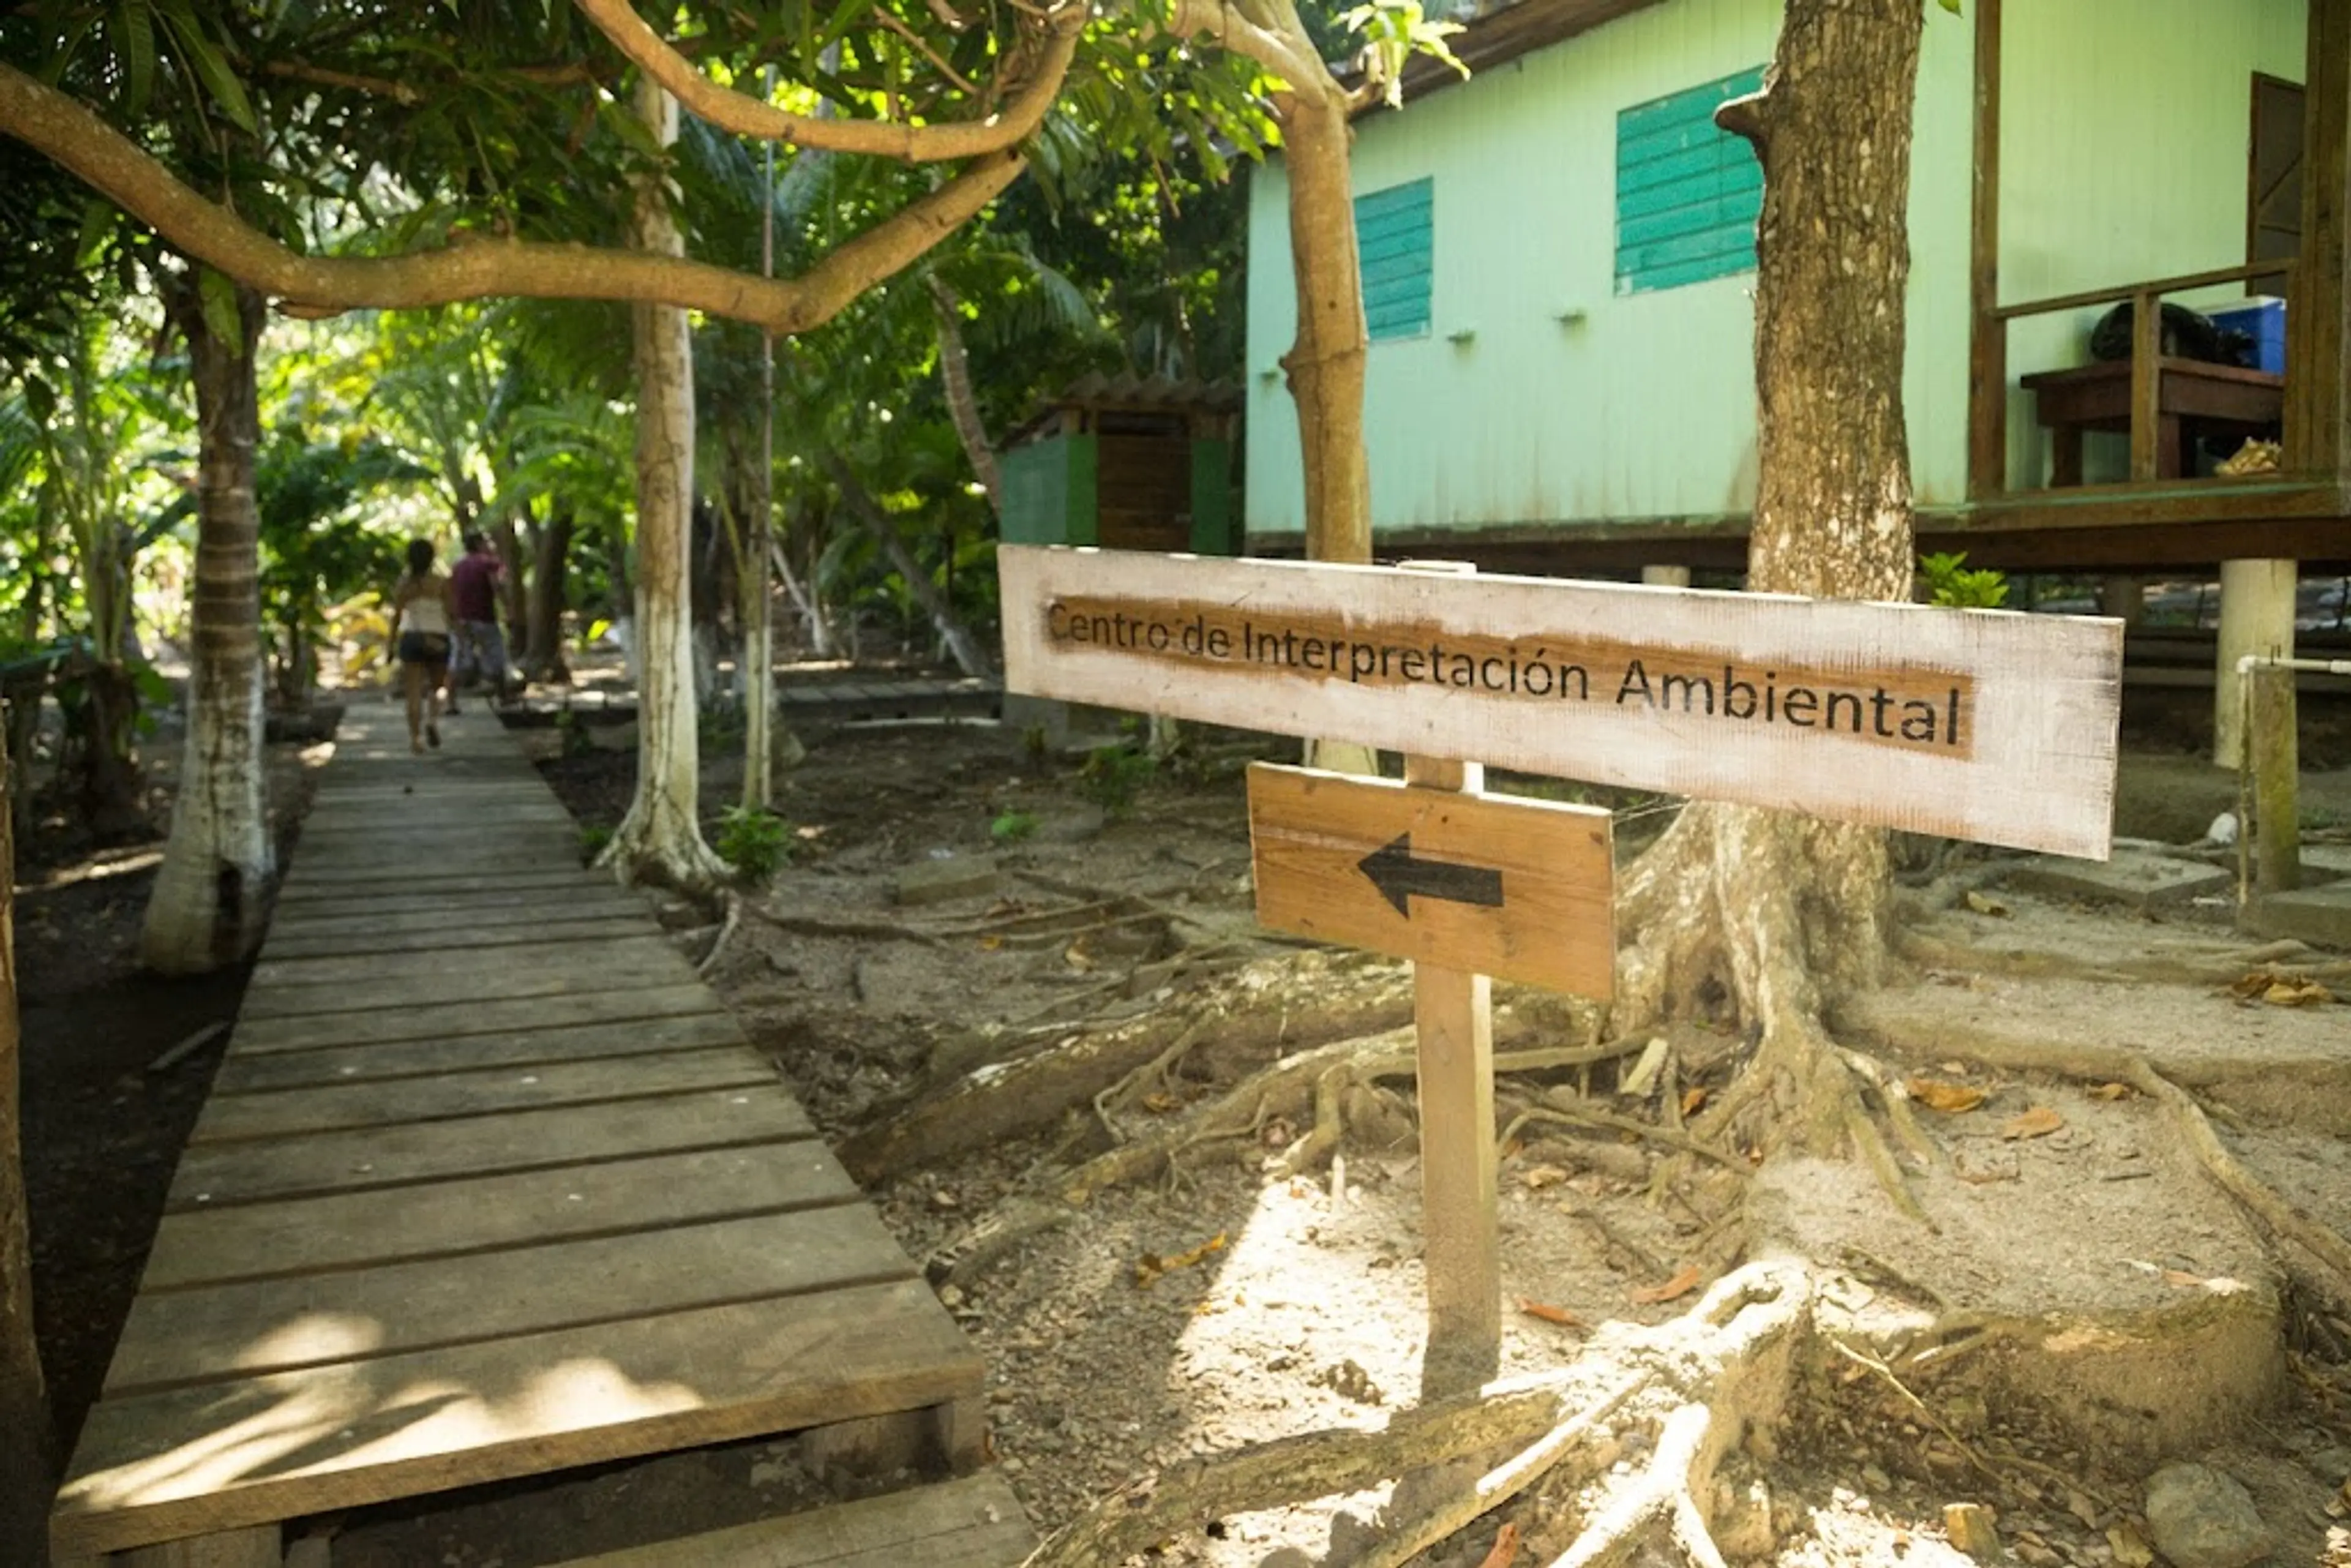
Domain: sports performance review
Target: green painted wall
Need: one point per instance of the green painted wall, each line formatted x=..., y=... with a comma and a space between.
x=1048, y=492
x=2123, y=153
x=1213, y=529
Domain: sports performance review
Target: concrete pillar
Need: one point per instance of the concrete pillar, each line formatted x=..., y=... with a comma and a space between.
x=2256, y=619
x=1666, y=576
x=2123, y=598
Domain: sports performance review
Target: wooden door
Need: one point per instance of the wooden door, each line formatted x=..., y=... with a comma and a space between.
x=2273, y=180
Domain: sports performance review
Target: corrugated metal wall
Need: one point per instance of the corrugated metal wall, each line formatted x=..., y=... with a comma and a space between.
x=2124, y=157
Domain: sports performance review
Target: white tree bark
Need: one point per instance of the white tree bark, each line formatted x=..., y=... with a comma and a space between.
x=206, y=909
x=661, y=838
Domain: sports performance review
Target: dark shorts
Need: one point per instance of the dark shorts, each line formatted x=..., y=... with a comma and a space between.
x=423, y=648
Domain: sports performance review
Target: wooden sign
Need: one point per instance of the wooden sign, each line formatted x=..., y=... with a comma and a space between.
x=1984, y=724
x=1488, y=883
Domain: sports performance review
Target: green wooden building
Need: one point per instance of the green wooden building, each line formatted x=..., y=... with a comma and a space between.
x=1558, y=263
x=1126, y=463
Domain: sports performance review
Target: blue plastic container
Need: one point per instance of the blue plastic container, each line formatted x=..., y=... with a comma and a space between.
x=2262, y=320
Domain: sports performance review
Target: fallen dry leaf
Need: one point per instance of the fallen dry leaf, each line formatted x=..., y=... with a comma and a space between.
x=1506, y=1548
x=2183, y=1278
x=1160, y=1103
x=1537, y=1177
x=2037, y=1123
x=1691, y=1100
x=1548, y=1313
x=1985, y=904
x=1151, y=1265
x=1948, y=1098
x=990, y=944
x=1680, y=1285
x=2111, y=1091
x=2129, y=1547
x=2298, y=994
x=1078, y=958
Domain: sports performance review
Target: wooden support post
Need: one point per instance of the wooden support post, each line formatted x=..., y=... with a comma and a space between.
x=2123, y=597
x=2147, y=384
x=1987, y=333
x=2317, y=335
x=2275, y=761
x=1453, y=1016
x=2256, y=621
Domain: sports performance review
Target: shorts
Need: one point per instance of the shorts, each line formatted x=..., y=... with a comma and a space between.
x=481, y=650
x=423, y=648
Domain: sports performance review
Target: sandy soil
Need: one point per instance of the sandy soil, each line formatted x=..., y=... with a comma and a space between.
x=1295, y=1302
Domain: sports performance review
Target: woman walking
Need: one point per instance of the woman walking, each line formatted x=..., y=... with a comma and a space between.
x=422, y=611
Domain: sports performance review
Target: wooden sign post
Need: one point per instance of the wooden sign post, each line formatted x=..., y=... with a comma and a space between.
x=1984, y=724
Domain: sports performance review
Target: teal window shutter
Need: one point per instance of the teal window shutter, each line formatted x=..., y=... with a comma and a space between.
x=1395, y=236
x=1688, y=193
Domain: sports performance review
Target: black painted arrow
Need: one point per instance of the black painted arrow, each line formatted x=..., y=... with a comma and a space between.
x=1398, y=873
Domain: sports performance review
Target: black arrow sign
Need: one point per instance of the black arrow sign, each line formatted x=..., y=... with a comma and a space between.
x=1398, y=874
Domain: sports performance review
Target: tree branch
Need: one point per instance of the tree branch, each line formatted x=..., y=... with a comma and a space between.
x=65, y=130
x=728, y=110
x=1220, y=24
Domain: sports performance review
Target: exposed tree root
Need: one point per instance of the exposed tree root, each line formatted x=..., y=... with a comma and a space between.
x=2198, y=961
x=2316, y=1255
x=1700, y=1379
x=1288, y=1002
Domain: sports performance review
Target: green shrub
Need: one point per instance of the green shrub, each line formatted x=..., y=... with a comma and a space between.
x=1011, y=826
x=1114, y=775
x=1949, y=581
x=755, y=843
x=593, y=837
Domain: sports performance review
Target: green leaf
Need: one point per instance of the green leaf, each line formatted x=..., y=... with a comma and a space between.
x=138, y=47
x=97, y=229
x=221, y=317
x=210, y=66
x=1952, y=7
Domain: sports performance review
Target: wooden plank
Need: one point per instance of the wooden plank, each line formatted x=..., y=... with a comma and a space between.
x=490, y=1092
x=453, y=1020
x=286, y=987
x=314, y=1235
x=299, y=889
x=974, y=1522
x=456, y=933
x=254, y=1071
x=1980, y=725
x=1453, y=1020
x=260, y=1547
x=2147, y=386
x=1325, y=846
x=646, y=945
x=1987, y=333
x=222, y=1174
x=212, y=1332
x=218, y=1456
x=369, y=917
x=584, y=892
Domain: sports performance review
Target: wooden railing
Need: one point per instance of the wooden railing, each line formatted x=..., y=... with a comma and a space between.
x=2147, y=343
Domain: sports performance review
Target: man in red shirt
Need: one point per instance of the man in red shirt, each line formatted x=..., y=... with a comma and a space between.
x=481, y=647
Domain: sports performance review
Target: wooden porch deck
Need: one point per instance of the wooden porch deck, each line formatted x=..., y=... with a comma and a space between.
x=489, y=1186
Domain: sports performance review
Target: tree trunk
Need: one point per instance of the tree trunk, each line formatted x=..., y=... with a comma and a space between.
x=543, y=634
x=661, y=838
x=961, y=644
x=1327, y=364
x=24, y=1432
x=514, y=589
x=110, y=788
x=206, y=909
x=963, y=402
x=805, y=595
x=1783, y=913
x=754, y=576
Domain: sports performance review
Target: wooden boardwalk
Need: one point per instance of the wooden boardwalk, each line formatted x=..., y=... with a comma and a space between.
x=489, y=1186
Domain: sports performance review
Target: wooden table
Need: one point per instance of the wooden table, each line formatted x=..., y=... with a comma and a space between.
x=2193, y=399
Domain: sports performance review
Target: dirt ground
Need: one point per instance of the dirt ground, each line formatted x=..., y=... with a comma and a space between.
x=959, y=899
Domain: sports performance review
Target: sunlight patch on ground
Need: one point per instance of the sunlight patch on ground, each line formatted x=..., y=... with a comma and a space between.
x=337, y=1418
